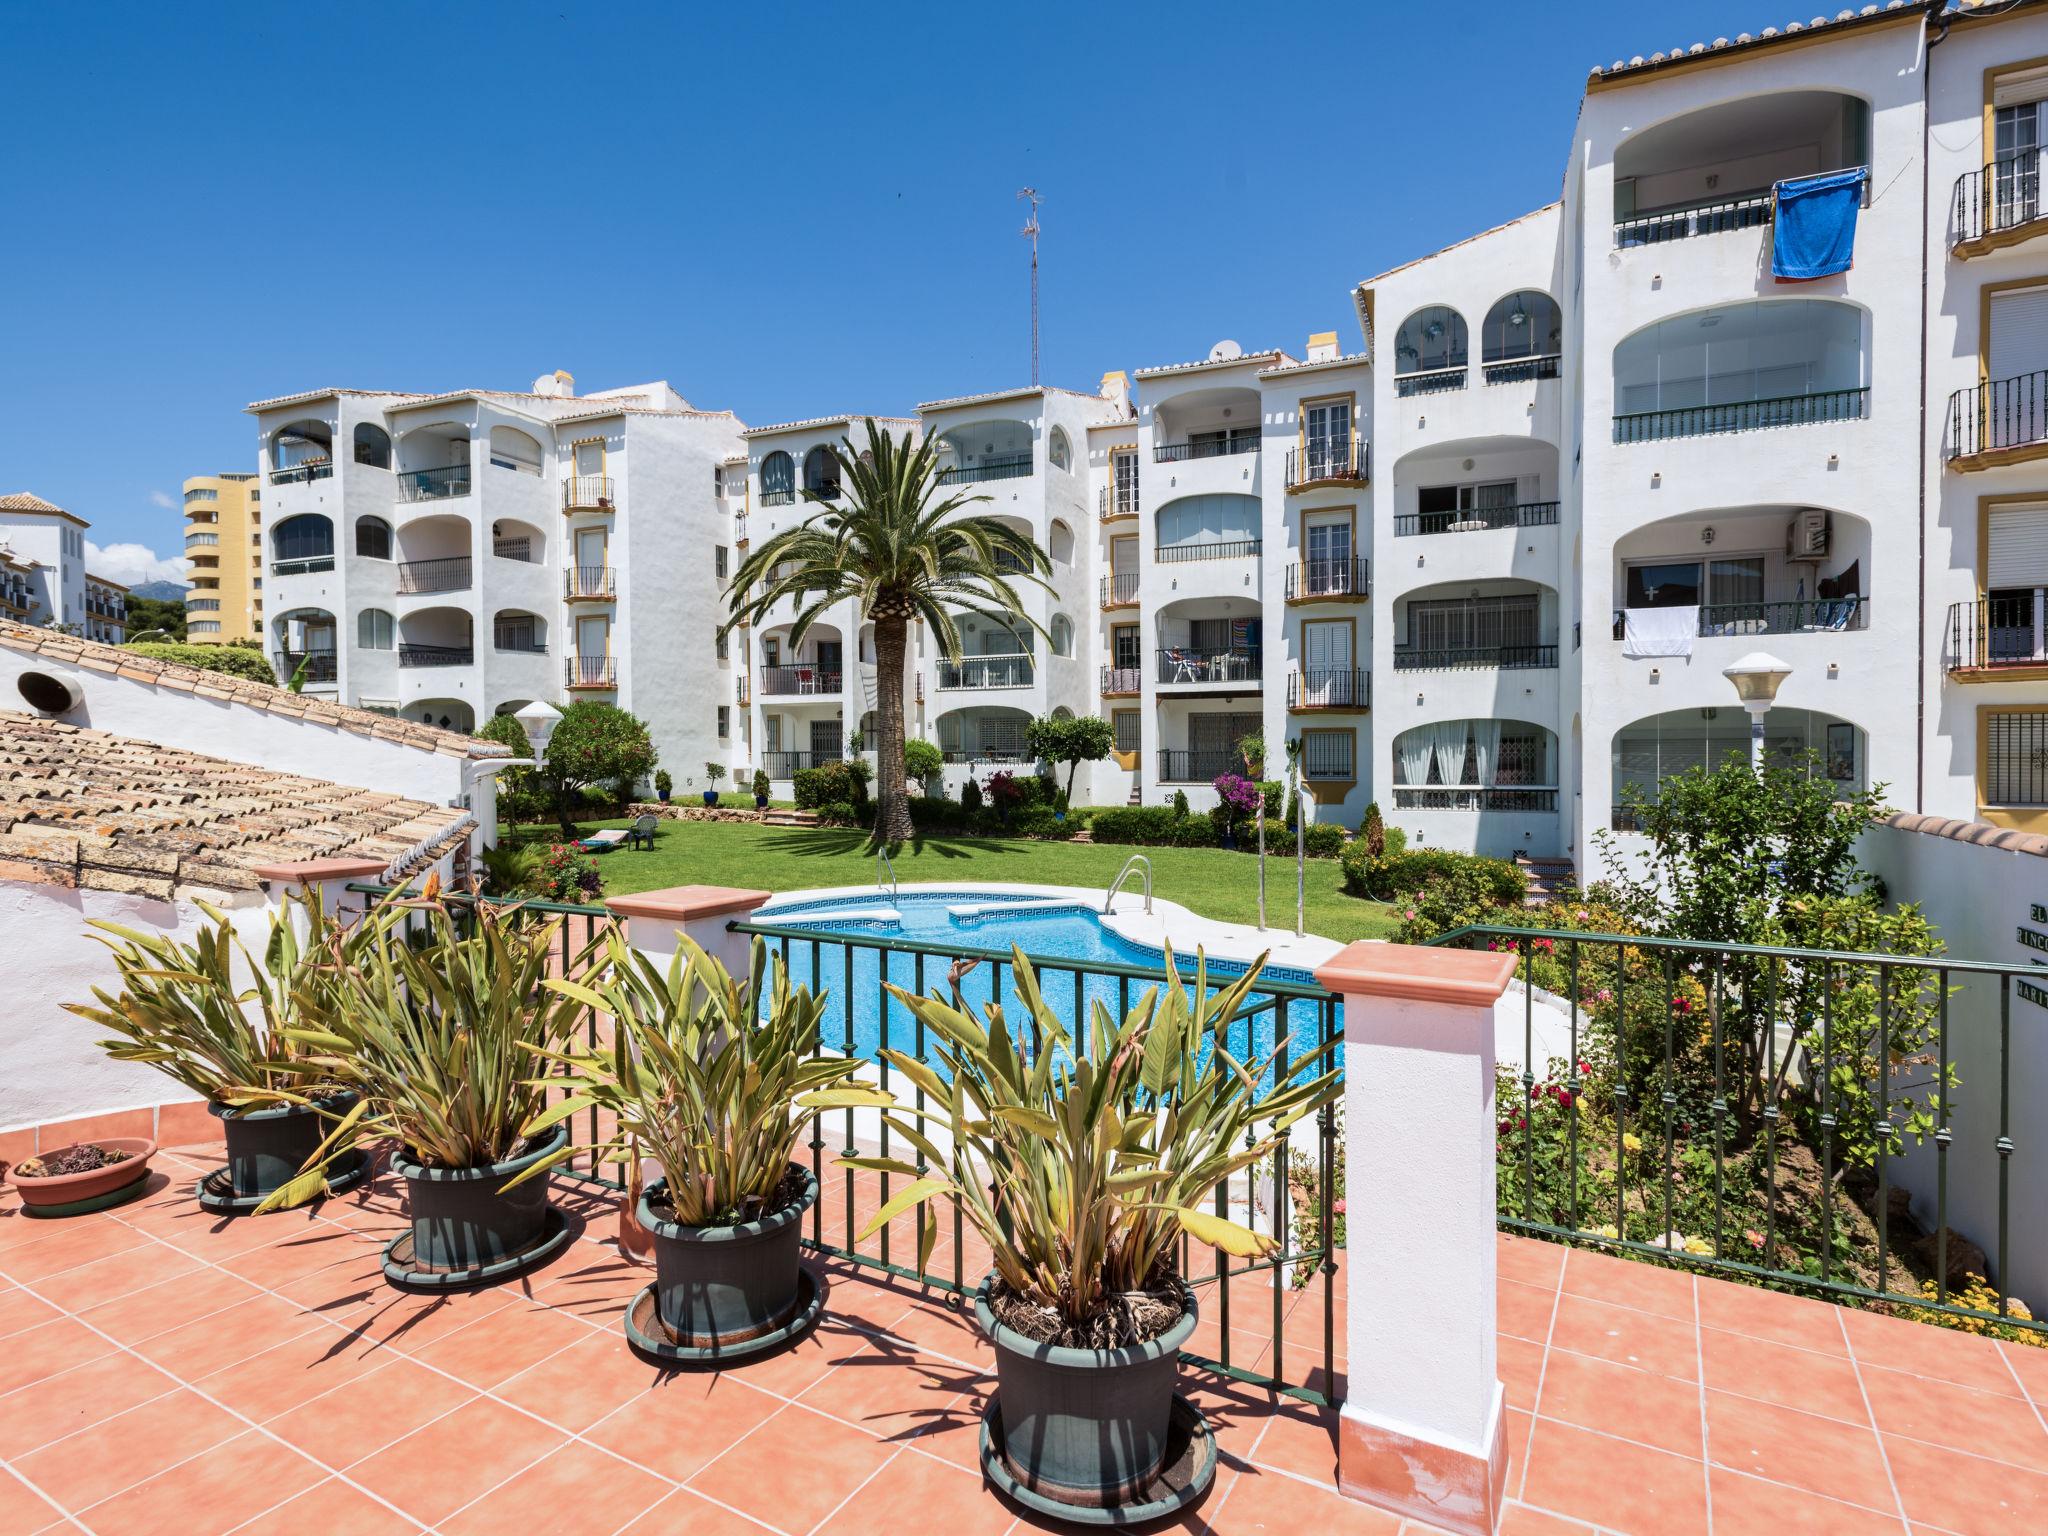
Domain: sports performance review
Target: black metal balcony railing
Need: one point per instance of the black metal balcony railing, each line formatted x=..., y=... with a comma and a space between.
x=2005, y=195
x=449, y=574
x=1326, y=460
x=321, y=666
x=433, y=484
x=985, y=754
x=590, y=671
x=1008, y=467
x=1329, y=688
x=1436, y=658
x=298, y=474
x=1996, y=632
x=2004, y=413
x=784, y=497
x=1751, y=212
x=1820, y=616
x=1122, y=502
x=986, y=672
x=783, y=765
x=1227, y=549
x=1474, y=797
x=1186, y=664
x=519, y=639
x=1123, y=680
x=1119, y=589
x=1430, y=381
x=513, y=549
x=304, y=565
x=1207, y=448
x=1311, y=579
x=800, y=679
x=588, y=492
x=588, y=581
x=1743, y=416
x=1521, y=370
x=1528, y=514
x=411, y=655
x=1180, y=767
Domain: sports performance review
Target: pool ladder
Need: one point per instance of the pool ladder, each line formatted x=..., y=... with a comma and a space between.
x=883, y=865
x=1143, y=866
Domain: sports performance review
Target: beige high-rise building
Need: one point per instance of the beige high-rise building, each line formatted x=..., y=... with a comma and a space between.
x=224, y=543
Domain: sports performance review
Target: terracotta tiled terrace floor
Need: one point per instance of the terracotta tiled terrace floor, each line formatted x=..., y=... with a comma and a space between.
x=165, y=1372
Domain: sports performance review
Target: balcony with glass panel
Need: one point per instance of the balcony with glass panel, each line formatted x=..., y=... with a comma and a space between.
x=1741, y=368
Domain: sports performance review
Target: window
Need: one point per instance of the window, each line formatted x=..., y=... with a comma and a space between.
x=718, y=559
x=1696, y=583
x=202, y=495
x=2015, y=758
x=1522, y=325
x=514, y=450
x=1058, y=453
x=1483, y=623
x=373, y=445
x=517, y=632
x=778, y=479
x=1062, y=635
x=720, y=641
x=1215, y=519
x=821, y=473
x=1431, y=341
x=724, y=720
x=308, y=537
x=375, y=630
x=203, y=627
x=373, y=538
x=1125, y=467
x=1129, y=738
x=1062, y=547
x=1124, y=641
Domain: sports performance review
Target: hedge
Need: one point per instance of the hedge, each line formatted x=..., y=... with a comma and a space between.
x=1402, y=872
x=234, y=660
x=1159, y=826
x=834, y=784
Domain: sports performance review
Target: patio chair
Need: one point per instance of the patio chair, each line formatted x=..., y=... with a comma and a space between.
x=641, y=833
x=1185, y=668
x=605, y=841
x=806, y=680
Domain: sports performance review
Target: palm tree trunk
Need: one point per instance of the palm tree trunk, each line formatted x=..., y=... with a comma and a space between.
x=892, y=815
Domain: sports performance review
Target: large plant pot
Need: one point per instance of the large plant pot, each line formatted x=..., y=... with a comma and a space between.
x=267, y=1147
x=73, y=1194
x=711, y=797
x=1094, y=1435
x=467, y=1228
x=722, y=1293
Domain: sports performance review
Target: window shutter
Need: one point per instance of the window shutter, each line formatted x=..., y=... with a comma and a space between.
x=2019, y=333
x=2018, y=556
x=2020, y=86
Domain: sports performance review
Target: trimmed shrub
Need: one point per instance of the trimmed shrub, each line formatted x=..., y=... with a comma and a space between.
x=1151, y=825
x=1180, y=802
x=1322, y=840
x=1400, y=873
x=234, y=660
x=970, y=795
x=817, y=788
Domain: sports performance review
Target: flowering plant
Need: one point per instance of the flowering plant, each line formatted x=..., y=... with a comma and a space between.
x=1003, y=790
x=1237, y=796
x=567, y=874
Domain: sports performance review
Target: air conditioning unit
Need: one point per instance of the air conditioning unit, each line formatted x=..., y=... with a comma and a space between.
x=1806, y=538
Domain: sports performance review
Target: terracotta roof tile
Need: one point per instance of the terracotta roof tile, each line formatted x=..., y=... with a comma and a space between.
x=1893, y=9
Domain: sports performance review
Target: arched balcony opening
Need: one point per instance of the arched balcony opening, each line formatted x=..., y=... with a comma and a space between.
x=1711, y=171
x=518, y=632
x=437, y=637
x=1062, y=629
x=305, y=637
x=1207, y=642
x=1059, y=452
x=515, y=450
x=448, y=714
x=1659, y=747
x=1205, y=424
x=984, y=450
x=1522, y=338
x=302, y=544
x=1476, y=485
x=1475, y=765
x=1224, y=526
x=821, y=473
x=1740, y=572
x=301, y=450
x=1432, y=351
x=372, y=445
x=1501, y=623
x=817, y=667
x=376, y=630
x=512, y=539
x=433, y=462
x=373, y=538
x=511, y=706
x=993, y=655
x=778, y=479
x=1061, y=544
x=984, y=735
x=434, y=555
x=1742, y=367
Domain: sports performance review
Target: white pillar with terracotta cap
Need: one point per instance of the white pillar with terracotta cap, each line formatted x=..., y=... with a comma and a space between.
x=330, y=877
x=1421, y=1431
x=655, y=918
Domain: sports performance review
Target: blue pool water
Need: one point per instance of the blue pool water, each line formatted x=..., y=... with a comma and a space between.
x=1062, y=937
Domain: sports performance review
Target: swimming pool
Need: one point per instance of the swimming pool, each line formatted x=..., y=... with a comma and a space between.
x=848, y=944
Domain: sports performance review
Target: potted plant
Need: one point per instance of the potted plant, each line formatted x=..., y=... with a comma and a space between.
x=235, y=1041
x=760, y=789
x=714, y=772
x=1081, y=1163
x=718, y=1092
x=1253, y=750
x=663, y=784
x=432, y=1026
x=88, y=1176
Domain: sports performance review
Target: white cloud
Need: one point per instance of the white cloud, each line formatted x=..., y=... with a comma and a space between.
x=131, y=564
x=162, y=499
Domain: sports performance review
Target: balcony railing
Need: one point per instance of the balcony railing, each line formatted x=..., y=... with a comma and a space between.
x=449, y=574
x=303, y=566
x=1120, y=502
x=1323, y=461
x=520, y=549
x=1308, y=580
x=1683, y=223
x=1997, y=632
x=1437, y=658
x=2005, y=413
x=783, y=765
x=410, y=655
x=985, y=754
x=321, y=666
x=986, y=672
x=742, y=691
x=590, y=671
x=1743, y=416
x=588, y=581
x=1228, y=549
x=1119, y=681
x=1475, y=797
x=799, y=680
x=1329, y=688
x=1209, y=448
x=591, y=493
x=1197, y=767
x=1819, y=616
x=433, y=484
x=1528, y=514
x=299, y=473
x=1186, y=664
x=784, y=497
x=520, y=640
x=1120, y=590
x=1009, y=467
x=1430, y=381
x=195, y=540
x=1522, y=370
x=2005, y=195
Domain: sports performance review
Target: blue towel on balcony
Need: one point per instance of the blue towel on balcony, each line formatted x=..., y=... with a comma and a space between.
x=1815, y=232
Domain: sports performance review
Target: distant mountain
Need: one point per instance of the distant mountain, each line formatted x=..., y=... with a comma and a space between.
x=160, y=591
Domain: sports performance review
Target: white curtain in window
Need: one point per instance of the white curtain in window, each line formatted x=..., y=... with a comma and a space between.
x=1485, y=748
x=1412, y=752
x=1447, y=740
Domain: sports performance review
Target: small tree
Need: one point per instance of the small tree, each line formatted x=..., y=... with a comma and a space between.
x=760, y=783
x=593, y=743
x=922, y=762
x=1070, y=739
x=714, y=772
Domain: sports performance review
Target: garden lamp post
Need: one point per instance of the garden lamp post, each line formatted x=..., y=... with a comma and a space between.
x=1757, y=678
x=538, y=721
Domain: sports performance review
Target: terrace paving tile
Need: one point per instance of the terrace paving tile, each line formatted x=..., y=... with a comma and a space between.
x=211, y=1493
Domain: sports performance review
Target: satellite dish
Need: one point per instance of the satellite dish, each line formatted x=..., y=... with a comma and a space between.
x=1224, y=351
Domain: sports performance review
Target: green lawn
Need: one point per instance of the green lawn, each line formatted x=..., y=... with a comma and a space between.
x=1206, y=880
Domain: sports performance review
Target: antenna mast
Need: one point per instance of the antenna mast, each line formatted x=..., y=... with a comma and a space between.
x=1030, y=232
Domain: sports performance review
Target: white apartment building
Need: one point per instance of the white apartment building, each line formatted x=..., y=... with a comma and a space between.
x=43, y=579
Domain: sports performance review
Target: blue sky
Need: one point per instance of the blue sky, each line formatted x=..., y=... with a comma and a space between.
x=783, y=210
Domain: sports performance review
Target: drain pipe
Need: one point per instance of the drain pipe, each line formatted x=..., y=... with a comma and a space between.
x=1936, y=11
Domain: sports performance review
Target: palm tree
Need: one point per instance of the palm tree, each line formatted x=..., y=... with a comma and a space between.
x=900, y=547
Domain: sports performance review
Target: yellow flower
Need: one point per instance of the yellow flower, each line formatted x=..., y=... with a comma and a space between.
x=1700, y=1246
x=1631, y=1141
